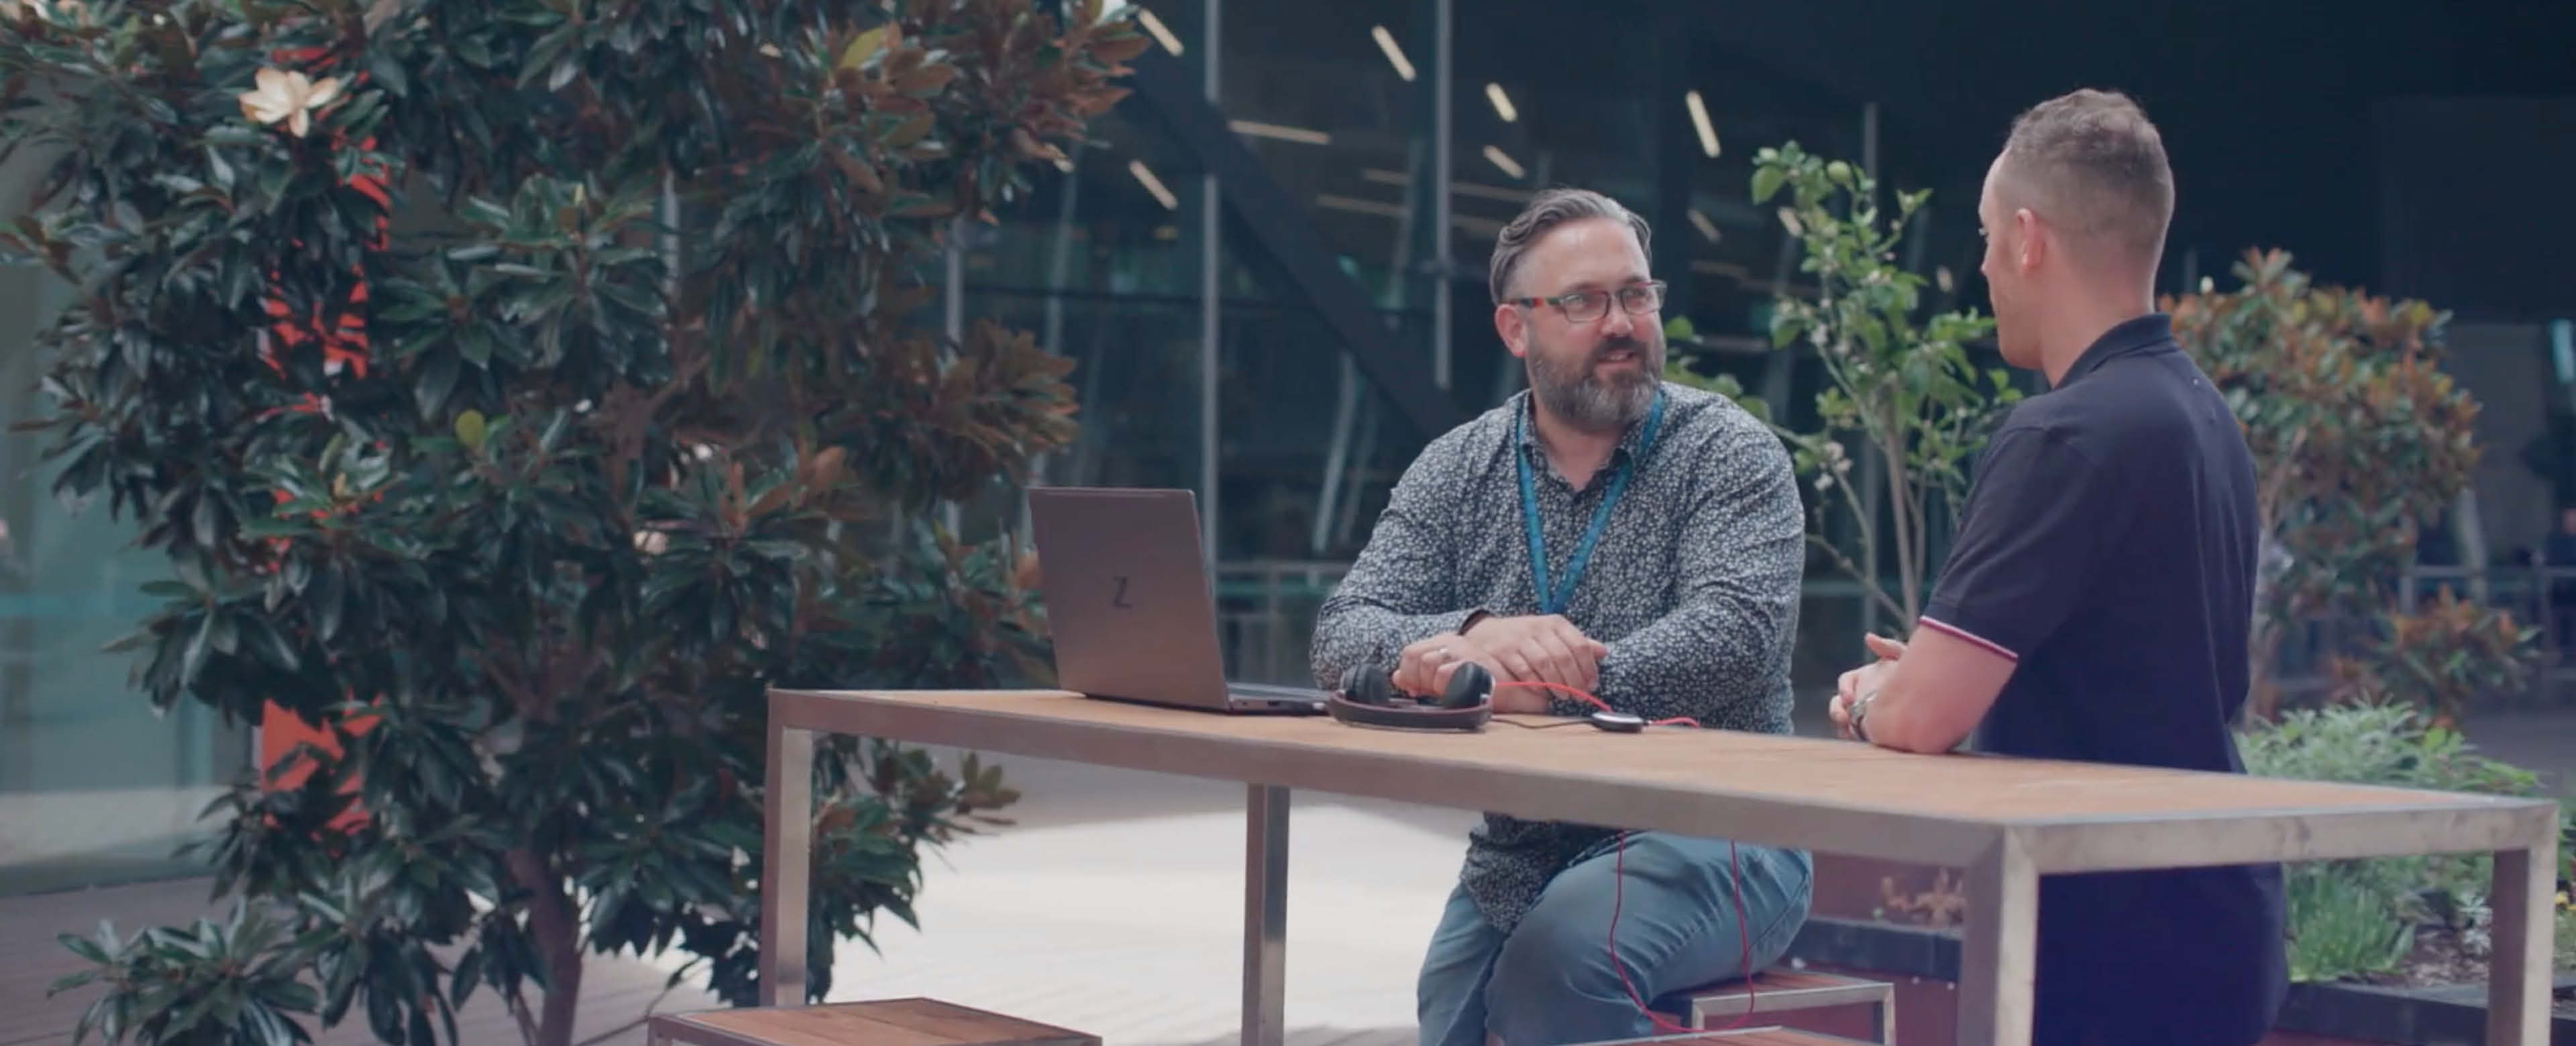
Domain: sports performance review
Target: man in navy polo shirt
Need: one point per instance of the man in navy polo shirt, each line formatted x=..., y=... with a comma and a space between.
x=2097, y=602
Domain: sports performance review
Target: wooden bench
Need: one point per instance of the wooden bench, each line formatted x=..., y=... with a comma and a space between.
x=1783, y=990
x=881, y=1022
x=1742, y=1037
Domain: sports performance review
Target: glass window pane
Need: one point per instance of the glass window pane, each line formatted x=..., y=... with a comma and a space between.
x=94, y=787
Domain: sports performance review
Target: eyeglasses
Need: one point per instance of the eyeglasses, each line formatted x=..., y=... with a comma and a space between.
x=1586, y=306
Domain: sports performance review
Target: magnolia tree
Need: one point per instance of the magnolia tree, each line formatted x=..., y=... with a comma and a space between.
x=2359, y=437
x=517, y=390
x=1899, y=384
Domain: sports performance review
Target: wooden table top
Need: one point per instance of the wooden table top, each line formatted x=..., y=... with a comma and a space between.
x=879, y=1022
x=1823, y=794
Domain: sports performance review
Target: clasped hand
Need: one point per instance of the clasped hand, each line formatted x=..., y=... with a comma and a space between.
x=1534, y=649
x=1865, y=679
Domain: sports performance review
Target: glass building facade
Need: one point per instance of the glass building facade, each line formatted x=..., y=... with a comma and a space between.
x=1183, y=258
x=95, y=786
x=1269, y=265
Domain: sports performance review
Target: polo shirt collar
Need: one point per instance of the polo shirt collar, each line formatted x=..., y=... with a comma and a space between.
x=2149, y=332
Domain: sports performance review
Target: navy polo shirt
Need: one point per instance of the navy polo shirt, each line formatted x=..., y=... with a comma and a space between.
x=2109, y=547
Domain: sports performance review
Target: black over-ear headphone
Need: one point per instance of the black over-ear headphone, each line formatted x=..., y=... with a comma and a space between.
x=1368, y=697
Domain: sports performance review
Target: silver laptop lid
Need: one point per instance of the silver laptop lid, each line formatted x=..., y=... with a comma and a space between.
x=1128, y=602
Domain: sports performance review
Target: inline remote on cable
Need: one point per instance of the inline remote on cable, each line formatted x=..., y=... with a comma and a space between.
x=1618, y=722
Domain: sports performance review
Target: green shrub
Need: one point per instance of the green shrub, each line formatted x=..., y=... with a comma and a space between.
x=2352, y=918
x=2566, y=932
x=2359, y=435
x=2342, y=926
x=237, y=981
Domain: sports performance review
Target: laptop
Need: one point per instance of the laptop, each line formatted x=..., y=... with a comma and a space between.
x=1130, y=605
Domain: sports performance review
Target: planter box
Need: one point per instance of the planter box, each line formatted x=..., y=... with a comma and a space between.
x=1924, y=966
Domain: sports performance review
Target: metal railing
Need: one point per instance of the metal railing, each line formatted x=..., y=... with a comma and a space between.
x=1266, y=616
x=1265, y=613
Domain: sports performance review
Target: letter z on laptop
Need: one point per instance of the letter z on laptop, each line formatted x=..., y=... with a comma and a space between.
x=1130, y=605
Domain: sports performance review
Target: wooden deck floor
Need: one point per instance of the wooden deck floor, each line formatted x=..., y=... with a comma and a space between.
x=614, y=993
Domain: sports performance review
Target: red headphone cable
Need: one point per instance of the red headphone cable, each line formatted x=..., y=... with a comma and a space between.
x=1539, y=684
x=1619, y=877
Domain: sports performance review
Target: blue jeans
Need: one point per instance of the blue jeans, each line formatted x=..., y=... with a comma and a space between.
x=1550, y=980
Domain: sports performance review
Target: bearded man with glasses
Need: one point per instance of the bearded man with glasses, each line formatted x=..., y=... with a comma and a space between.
x=1608, y=534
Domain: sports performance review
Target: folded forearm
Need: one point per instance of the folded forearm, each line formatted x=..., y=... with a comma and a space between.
x=1721, y=657
x=1352, y=632
x=1721, y=664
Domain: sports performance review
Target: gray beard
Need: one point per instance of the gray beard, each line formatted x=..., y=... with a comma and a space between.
x=1588, y=403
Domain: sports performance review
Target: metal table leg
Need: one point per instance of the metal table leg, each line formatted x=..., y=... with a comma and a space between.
x=2000, y=955
x=786, y=865
x=1265, y=917
x=2518, y=973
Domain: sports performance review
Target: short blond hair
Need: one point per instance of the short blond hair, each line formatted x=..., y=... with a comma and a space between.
x=2092, y=164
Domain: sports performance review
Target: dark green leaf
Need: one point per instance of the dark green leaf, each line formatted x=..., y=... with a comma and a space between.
x=325, y=596
x=200, y=643
x=204, y=519
x=83, y=947
x=272, y=528
x=438, y=374
x=388, y=73
x=468, y=975
x=273, y=646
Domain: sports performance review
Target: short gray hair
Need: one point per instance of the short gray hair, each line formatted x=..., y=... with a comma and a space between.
x=1549, y=209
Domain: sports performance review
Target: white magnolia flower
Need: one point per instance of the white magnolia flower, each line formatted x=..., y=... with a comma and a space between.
x=49, y=10
x=290, y=97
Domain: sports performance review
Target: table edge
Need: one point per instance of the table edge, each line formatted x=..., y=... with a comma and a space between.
x=1558, y=795
x=2444, y=822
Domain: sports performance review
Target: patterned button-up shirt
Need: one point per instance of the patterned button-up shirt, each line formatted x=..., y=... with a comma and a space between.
x=1693, y=586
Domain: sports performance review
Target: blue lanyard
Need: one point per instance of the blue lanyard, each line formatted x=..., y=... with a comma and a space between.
x=1554, y=600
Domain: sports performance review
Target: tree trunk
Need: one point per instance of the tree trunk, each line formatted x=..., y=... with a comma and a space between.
x=1907, y=525
x=2263, y=693
x=558, y=941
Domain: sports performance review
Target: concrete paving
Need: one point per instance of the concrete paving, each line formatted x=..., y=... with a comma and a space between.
x=2541, y=740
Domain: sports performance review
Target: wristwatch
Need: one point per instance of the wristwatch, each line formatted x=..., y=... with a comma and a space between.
x=1860, y=715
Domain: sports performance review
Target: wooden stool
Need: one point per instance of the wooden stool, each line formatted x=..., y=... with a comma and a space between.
x=1742, y=1037
x=1782, y=990
x=882, y=1022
